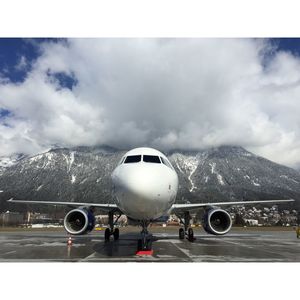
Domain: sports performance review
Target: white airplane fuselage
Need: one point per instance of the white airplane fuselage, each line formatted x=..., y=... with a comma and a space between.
x=145, y=184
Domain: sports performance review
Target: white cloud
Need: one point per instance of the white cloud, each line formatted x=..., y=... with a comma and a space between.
x=167, y=93
x=22, y=64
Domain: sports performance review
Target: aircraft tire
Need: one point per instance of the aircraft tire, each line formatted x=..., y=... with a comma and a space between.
x=149, y=244
x=116, y=234
x=181, y=233
x=190, y=234
x=140, y=245
x=107, y=234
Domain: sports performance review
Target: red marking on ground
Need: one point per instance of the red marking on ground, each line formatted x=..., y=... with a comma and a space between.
x=144, y=252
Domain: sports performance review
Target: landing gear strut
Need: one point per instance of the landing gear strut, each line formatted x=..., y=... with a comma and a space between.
x=111, y=230
x=145, y=242
x=187, y=230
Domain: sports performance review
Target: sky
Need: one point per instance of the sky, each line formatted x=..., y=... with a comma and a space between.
x=186, y=94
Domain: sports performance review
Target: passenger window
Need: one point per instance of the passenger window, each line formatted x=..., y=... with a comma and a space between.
x=132, y=159
x=151, y=159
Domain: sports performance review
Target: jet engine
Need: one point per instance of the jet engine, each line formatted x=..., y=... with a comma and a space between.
x=216, y=221
x=79, y=221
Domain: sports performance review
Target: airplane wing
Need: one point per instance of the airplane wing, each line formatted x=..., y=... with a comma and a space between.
x=177, y=208
x=105, y=207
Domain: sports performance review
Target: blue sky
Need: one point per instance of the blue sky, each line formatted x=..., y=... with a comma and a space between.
x=165, y=93
x=11, y=51
x=288, y=44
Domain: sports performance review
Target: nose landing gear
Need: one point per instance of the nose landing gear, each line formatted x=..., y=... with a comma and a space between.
x=144, y=246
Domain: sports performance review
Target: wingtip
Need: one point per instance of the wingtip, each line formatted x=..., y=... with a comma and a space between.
x=10, y=200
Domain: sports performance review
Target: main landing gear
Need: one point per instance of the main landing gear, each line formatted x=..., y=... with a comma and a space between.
x=145, y=242
x=187, y=231
x=111, y=230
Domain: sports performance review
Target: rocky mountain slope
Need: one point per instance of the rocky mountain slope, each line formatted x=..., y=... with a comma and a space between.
x=83, y=174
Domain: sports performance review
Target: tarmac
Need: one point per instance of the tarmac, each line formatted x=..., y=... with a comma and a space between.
x=239, y=245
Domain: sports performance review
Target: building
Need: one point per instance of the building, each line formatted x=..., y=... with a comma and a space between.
x=11, y=218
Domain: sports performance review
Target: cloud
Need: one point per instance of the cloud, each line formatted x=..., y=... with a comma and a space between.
x=165, y=93
x=22, y=64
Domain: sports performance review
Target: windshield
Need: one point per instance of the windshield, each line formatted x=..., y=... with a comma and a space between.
x=132, y=159
x=151, y=159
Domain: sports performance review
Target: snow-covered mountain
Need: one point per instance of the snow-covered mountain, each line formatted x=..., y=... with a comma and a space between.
x=229, y=172
x=8, y=161
x=83, y=174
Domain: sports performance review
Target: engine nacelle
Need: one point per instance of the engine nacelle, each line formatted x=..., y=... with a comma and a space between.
x=216, y=221
x=79, y=221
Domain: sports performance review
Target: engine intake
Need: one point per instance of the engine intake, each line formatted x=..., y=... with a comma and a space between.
x=217, y=221
x=79, y=221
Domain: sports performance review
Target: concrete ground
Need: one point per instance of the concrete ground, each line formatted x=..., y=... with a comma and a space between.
x=240, y=245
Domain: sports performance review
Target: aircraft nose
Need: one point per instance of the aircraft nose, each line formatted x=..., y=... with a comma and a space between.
x=143, y=193
x=144, y=185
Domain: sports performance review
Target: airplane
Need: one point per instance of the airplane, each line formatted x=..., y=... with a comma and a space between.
x=144, y=187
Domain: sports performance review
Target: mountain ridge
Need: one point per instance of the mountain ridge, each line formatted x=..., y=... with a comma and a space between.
x=83, y=174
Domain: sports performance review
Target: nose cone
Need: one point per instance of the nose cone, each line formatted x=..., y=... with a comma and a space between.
x=144, y=191
x=143, y=185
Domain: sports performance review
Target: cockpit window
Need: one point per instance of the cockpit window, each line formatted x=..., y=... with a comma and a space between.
x=132, y=159
x=164, y=161
x=151, y=159
x=122, y=160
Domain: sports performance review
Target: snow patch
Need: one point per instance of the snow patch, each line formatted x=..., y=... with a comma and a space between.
x=219, y=176
x=255, y=183
x=178, y=166
x=187, y=165
x=69, y=160
x=73, y=179
x=6, y=162
x=191, y=164
x=35, y=158
x=72, y=158
x=247, y=154
x=220, y=179
x=83, y=181
x=48, y=159
x=39, y=187
x=286, y=177
x=213, y=166
x=49, y=155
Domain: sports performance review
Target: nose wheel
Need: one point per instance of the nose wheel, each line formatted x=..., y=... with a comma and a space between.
x=144, y=244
